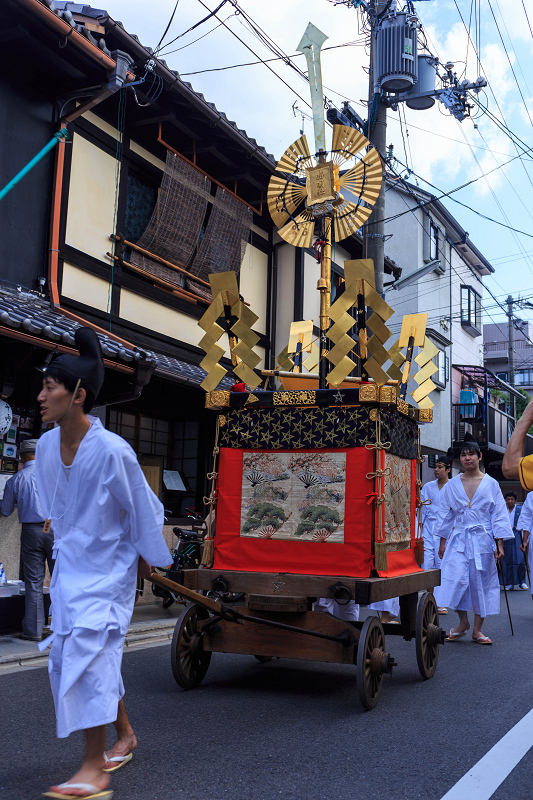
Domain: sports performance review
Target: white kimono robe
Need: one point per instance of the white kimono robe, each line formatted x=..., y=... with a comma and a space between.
x=428, y=515
x=103, y=516
x=526, y=524
x=469, y=578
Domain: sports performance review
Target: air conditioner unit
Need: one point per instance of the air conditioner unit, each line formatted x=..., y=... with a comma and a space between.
x=462, y=429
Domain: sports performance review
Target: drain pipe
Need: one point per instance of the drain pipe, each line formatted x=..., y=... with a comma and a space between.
x=116, y=80
x=144, y=369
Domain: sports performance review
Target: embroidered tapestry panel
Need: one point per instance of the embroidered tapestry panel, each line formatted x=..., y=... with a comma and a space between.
x=296, y=497
x=398, y=488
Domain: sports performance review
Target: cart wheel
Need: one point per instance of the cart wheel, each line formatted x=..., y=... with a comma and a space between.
x=264, y=659
x=428, y=635
x=188, y=659
x=372, y=662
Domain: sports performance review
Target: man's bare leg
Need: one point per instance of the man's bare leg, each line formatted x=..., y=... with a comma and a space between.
x=478, y=622
x=91, y=769
x=464, y=624
x=126, y=739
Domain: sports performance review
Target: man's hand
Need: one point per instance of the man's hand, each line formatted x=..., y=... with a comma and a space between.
x=498, y=553
x=442, y=548
x=144, y=570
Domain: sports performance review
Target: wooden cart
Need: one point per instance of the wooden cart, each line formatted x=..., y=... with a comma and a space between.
x=308, y=484
x=278, y=622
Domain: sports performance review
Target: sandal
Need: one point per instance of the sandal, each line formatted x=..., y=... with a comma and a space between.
x=94, y=793
x=119, y=761
x=453, y=635
x=481, y=640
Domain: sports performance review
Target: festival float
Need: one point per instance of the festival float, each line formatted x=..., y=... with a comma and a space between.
x=315, y=483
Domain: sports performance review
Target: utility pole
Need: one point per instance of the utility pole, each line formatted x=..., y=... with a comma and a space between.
x=510, y=352
x=377, y=135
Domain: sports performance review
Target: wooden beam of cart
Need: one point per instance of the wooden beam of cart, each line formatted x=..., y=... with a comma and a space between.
x=362, y=590
x=347, y=637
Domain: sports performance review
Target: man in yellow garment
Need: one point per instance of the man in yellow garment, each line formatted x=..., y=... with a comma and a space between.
x=514, y=464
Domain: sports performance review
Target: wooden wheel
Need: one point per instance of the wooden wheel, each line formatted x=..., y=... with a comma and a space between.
x=188, y=659
x=428, y=635
x=372, y=662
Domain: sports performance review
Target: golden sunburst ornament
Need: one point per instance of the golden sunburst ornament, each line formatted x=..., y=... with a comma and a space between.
x=302, y=179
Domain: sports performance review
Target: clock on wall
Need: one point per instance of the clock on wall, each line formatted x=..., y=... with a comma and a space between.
x=6, y=417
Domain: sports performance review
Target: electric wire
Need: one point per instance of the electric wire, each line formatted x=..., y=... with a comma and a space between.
x=263, y=61
x=497, y=201
x=166, y=29
x=196, y=25
x=256, y=54
x=510, y=62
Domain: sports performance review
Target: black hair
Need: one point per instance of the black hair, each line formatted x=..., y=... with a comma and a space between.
x=69, y=383
x=511, y=494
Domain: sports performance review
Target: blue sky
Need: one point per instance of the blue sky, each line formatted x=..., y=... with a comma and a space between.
x=440, y=149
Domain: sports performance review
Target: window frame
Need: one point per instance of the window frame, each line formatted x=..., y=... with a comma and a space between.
x=471, y=316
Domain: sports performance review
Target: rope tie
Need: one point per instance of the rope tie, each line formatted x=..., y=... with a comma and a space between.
x=210, y=501
x=379, y=473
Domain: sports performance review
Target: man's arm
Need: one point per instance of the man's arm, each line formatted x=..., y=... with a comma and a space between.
x=7, y=506
x=515, y=447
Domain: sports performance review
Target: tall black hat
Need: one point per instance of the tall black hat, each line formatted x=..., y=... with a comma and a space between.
x=88, y=367
x=470, y=443
x=447, y=459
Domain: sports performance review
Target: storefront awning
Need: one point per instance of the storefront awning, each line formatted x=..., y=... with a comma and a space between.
x=484, y=378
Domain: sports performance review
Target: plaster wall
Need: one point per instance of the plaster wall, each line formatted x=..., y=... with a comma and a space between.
x=91, y=207
x=85, y=288
x=467, y=349
x=10, y=545
x=311, y=297
x=430, y=294
x=253, y=284
x=285, y=296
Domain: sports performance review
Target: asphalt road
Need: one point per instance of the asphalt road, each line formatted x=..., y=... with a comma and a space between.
x=292, y=729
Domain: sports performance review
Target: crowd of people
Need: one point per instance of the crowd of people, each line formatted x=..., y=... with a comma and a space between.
x=87, y=511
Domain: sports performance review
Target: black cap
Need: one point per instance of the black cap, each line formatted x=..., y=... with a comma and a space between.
x=447, y=459
x=88, y=368
x=469, y=443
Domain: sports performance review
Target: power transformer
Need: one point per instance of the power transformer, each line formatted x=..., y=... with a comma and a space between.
x=427, y=73
x=397, y=53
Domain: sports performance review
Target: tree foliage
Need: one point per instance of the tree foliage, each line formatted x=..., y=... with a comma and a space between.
x=318, y=518
x=263, y=515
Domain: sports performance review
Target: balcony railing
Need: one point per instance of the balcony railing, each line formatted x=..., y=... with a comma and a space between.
x=490, y=427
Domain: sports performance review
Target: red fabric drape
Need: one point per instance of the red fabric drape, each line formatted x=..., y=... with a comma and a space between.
x=352, y=558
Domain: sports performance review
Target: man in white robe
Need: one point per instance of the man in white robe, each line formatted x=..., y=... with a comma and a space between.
x=472, y=514
x=526, y=523
x=106, y=520
x=430, y=498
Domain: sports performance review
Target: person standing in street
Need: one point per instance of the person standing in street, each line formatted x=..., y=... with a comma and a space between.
x=513, y=564
x=107, y=522
x=430, y=498
x=35, y=544
x=472, y=514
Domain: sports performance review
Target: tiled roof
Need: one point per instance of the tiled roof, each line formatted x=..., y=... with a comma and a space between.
x=62, y=7
x=29, y=313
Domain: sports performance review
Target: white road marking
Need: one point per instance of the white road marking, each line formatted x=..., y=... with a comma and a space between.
x=482, y=780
